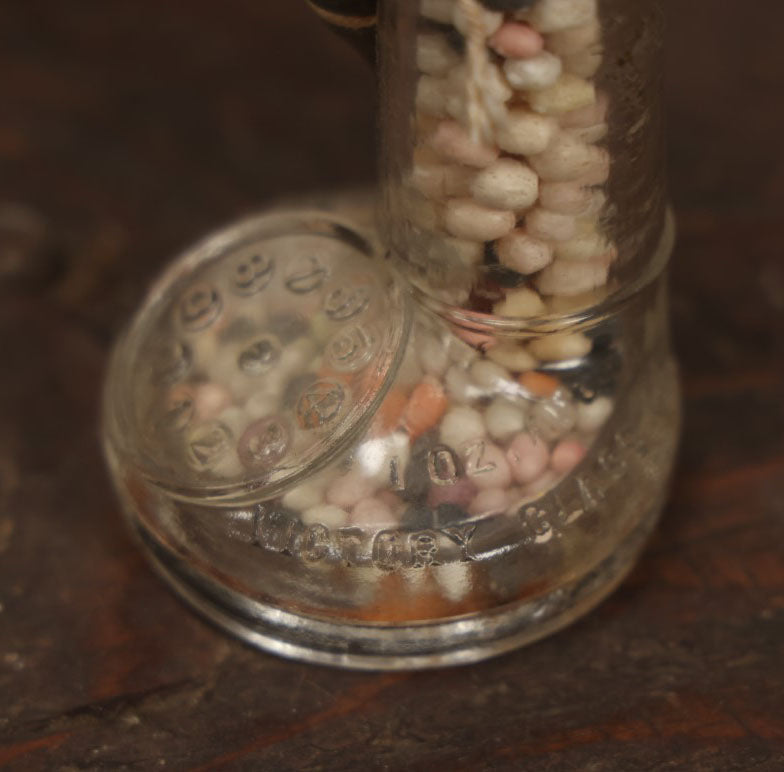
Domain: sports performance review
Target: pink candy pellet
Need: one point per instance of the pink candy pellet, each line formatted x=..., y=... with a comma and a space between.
x=516, y=41
x=486, y=465
x=491, y=501
x=567, y=454
x=528, y=457
x=211, y=399
x=349, y=489
x=460, y=493
x=372, y=511
x=451, y=141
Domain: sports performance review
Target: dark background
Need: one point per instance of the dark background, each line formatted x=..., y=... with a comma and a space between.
x=128, y=129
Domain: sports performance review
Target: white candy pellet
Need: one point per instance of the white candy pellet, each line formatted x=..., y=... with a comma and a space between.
x=586, y=116
x=451, y=141
x=422, y=212
x=490, y=376
x=429, y=179
x=440, y=180
x=260, y=404
x=433, y=356
x=409, y=373
x=590, y=134
x=431, y=95
x=459, y=385
x=584, y=64
x=570, y=198
x=521, y=303
x=538, y=72
x=467, y=219
x=506, y=184
x=306, y=495
x=550, y=226
x=466, y=253
x=523, y=253
x=572, y=277
x=513, y=357
x=525, y=132
x=560, y=346
x=598, y=170
x=551, y=419
x=454, y=579
x=376, y=459
x=490, y=20
x=434, y=54
x=567, y=158
x=504, y=419
x=554, y=15
x=575, y=39
x=461, y=424
x=330, y=516
x=373, y=512
x=495, y=90
x=236, y=419
x=457, y=180
x=348, y=489
x=568, y=93
x=583, y=246
x=591, y=416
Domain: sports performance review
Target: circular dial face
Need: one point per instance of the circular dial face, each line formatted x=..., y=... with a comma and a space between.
x=256, y=355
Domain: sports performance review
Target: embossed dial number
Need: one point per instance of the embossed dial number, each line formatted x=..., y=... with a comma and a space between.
x=199, y=306
x=320, y=404
x=252, y=274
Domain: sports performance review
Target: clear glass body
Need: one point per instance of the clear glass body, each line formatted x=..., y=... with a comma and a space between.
x=343, y=471
x=522, y=149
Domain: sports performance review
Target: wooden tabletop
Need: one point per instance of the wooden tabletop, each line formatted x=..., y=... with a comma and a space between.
x=128, y=129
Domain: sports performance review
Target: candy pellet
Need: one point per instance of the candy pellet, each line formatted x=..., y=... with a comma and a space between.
x=486, y=465
x=467, y=219
x=550, y=226
x=512, y=356
x=572, y=277
x=328, y=515
x=425, y=407
x=523, y=253
x=526, y=133
x=521, y=304
x=555, y=15
x=504, y=419
x=516, y=41
x=560, y=346
x=566, y=455
x=461, y=424
x=568, y=93
x=591, y=416
x=434, y=55
x=528, y=457
x=539, y=72
x=453, y=143
x=506, y=184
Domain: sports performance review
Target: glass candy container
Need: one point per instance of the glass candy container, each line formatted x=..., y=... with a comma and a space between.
x=341, y=470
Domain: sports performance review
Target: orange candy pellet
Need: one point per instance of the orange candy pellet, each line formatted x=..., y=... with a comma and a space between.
x=391, y=410
x=539, y=384
x=425, y=407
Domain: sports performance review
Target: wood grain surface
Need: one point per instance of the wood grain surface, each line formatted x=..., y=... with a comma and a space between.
x=128, y=129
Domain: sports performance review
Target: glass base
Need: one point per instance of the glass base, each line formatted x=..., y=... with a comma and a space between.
x=464, y=640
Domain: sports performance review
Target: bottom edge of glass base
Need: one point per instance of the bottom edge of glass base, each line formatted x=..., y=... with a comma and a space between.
x=440, y=643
